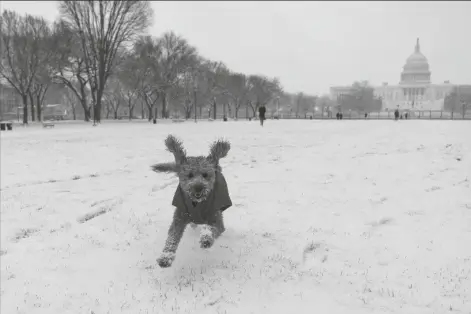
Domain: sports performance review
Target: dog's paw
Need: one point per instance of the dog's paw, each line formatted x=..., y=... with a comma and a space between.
x=206, y=242
x=166, y=259
x=206, y=237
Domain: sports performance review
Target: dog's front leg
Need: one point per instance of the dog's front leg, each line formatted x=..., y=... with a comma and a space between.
x=175, y=233
x=209, y=233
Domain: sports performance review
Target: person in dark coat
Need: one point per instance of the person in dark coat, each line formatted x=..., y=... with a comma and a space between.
x=261, y=114
x=396, y=114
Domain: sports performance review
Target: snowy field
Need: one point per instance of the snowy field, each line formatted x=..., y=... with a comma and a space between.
x=328, y=217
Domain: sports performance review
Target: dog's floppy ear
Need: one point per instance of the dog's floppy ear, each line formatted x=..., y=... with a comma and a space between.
x=175, y=146
x=218, y=150
x=165, y=167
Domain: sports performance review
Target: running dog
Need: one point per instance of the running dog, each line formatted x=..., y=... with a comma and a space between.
x=201, y=196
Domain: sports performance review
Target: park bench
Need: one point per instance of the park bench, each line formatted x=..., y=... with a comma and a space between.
x=178, y=120
x=6, y=125
x=48, y=125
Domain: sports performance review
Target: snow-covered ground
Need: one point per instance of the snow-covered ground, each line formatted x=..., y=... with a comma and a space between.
x=328, y=217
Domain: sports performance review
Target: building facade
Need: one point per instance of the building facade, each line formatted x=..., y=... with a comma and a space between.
x=415, y=90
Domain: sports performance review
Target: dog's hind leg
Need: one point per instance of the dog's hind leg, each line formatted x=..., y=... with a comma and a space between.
x=175, y=233
x=220, y=223
x=209, y=233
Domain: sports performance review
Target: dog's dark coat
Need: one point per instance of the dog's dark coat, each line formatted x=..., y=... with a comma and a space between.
x=204, y=212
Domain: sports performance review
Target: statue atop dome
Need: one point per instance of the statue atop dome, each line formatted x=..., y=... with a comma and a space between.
x=416, y=70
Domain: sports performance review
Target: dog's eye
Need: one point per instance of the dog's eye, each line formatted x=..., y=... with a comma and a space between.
x=190, y=175
x=205, y=175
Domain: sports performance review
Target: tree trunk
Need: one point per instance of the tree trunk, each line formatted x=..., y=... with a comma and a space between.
x=247, y=110
x=83, y=102
x=150, y=113
x=142, y=110
x=164, y=105
x=86, y=110
x=115, y=114
x=131, y=108
x=31, y=99
x=39, y=107
x=214, y=108
x=25, y=108
x=98, y=106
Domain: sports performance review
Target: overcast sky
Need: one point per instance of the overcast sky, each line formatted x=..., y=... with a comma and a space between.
x=311, y=46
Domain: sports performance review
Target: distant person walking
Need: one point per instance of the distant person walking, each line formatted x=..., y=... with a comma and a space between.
x=406, y=115
x=396, y=114
x=261, y=114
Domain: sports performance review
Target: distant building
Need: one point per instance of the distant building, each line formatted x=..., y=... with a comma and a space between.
x=415, y=90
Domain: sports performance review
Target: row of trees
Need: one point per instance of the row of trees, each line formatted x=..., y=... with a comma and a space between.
x=458, y=100
x=100, y=53
x=361, y=98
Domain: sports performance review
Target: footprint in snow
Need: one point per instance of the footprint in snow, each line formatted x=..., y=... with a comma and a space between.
x=315, y=252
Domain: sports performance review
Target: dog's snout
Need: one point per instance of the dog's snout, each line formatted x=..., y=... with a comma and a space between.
x=198, y=188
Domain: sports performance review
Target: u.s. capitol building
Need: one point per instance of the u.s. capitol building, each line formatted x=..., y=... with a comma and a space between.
x=415, y=90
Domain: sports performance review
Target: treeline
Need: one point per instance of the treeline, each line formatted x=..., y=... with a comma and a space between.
x=100, y=53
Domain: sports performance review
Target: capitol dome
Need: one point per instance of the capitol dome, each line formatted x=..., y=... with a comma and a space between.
x=416, y=69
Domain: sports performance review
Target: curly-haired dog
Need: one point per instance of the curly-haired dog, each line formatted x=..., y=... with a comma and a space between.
x=200, y=198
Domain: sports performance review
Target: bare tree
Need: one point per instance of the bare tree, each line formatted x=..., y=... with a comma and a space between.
x=70, y=65
x=133, y=76
x=362, y=98
x=71, y=100
x=176, y=57
x=147, y=54
x=211, y=76
x=103, y=28
x=24, y=44
x=114, y=96
x=262, y=90
x=237, y=87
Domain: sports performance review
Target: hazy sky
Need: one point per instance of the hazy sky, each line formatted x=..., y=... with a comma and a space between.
x=311, y=46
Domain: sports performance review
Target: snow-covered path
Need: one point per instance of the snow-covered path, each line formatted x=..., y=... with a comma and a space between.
x=328, y=217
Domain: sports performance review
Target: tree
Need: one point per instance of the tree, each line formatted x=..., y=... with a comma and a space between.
x=458, y=100
x=262, y=90
x=176, y=58
x=132, y=75
x=361, y=99
x=209, y=76
x=237, y=87
x=114, y=96
x=304, y=103
x=148, y=52
x=70, y=100
x=70, y=65
x=25, y=42
x=104, y=27
x=184, y=91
